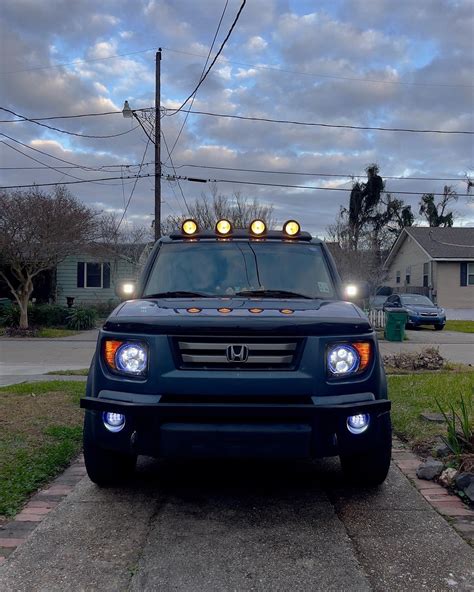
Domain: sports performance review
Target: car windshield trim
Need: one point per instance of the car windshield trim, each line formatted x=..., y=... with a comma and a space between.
x=275, y=294
x=178, y=294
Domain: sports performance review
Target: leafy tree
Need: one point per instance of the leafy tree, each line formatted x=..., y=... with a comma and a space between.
x=435, y=213
x=37, y=231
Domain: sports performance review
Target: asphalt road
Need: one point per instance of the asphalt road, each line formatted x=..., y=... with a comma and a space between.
x=263, y=527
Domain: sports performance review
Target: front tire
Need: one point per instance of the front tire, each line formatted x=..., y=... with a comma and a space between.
x=370, y=469
x=439, y=327
x=105, y=467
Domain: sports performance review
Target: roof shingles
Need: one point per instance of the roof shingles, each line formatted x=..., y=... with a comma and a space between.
x=444, y=243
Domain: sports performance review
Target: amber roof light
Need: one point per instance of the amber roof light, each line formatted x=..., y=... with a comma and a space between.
x=189, y=227
x=291, y=228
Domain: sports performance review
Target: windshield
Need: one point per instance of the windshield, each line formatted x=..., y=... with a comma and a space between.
x=232, y=268
x=416, y=299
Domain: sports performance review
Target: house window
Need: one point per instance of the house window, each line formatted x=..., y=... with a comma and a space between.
x=397, y=277
x=408, y=275
x=93, y=275
x=470, y=274
x=426, y=272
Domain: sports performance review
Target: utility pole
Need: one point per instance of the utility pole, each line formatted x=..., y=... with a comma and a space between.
x=158, y=144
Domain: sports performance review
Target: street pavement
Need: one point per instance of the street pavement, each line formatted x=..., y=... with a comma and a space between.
x=212, y=526
x=29, y=359
x=455, y=347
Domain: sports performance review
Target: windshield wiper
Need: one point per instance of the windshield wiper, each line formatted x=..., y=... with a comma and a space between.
x=176, y=294
x=273, y=293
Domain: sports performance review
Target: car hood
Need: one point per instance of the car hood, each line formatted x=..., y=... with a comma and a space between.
x=185, y=316
x=422, y=308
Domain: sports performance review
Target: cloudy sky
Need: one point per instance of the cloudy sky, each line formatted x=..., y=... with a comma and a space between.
x=344, y=62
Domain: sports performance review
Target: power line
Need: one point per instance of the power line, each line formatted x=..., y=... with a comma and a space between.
x=329, y=125
x=314, y=174
x=215, y=57
x=56, y=129
x=237, y=63
x=75, y=165
x=329, y=76
x=83, y=61
x=240, y=182
x=284, y=185
x=76, y=116
x=133, y=188
x=200, y=78
x=172, y=165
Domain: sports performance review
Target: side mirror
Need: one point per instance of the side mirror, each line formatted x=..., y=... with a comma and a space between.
x=356, y=291
x=126, y=289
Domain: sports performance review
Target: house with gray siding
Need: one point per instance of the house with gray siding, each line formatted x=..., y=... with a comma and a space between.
x=436, y=262
x=91, y=277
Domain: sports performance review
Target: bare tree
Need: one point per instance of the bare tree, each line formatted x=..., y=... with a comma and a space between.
x=37, y=231
x=208, y=209
x=435, y=213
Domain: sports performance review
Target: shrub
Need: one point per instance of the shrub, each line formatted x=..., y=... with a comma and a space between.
x=10, y=315
x=103, y=309
x=81, y=318
x=427, y=359
x=49, y=315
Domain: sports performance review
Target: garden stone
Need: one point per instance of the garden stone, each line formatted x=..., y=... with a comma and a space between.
x=469, y=492
x=433, y=417
x=441, y=450
x=447, y=477
x=430, y=469
x=463, y=480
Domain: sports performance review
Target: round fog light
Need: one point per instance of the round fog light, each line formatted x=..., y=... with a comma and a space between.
x=357, y=424
x=114, y=422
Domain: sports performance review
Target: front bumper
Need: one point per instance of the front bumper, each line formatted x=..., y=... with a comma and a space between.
x=264, y=430
x=416, y=320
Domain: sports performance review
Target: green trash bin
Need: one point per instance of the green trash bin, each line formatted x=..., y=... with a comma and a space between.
x=395, y=321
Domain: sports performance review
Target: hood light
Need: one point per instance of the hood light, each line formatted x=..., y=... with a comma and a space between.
x=224, y=310
x=193, y=310
x=291, y=228
x=189, y=227
x=256, y=310
x=258, y=227
x=223, y=227
x=287, y=311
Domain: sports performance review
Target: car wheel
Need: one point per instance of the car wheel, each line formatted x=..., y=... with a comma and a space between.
x=439, y=327
x=105, y=467
x=370, y=469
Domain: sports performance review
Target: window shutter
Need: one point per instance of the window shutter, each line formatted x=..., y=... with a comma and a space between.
x=80, y=275
x=463, y=274
x=106, y=275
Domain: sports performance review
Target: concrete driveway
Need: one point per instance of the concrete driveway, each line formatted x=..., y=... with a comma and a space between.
x=241, y=527
x=454, y=346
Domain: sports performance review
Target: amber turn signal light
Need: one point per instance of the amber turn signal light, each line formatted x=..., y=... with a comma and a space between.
x=364, y=349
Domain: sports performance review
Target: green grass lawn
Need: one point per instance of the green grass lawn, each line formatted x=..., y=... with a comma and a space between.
x=81, y=372
x=52, y=332
x=40, y=432
x=461, y=326
x=413, y=394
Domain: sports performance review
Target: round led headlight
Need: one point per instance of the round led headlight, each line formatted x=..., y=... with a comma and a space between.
x=357, y=424
x=258, y=227
x=131, y=358
x=114, y=422
x=343, y=359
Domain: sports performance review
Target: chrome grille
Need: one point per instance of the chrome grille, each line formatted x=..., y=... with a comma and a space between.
x=429, y=314
x=241, y=353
